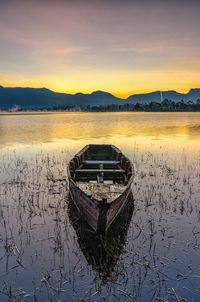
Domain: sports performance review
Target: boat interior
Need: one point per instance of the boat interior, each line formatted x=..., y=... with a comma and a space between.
x=100, y=164
x=101, y=171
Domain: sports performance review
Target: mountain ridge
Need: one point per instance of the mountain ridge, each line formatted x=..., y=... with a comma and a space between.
x=35, y=98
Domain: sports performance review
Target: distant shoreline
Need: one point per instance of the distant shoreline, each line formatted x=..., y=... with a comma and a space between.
x=81, y=112
x=35, y=112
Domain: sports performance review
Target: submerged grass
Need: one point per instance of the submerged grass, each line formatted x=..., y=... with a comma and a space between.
x=42, y=257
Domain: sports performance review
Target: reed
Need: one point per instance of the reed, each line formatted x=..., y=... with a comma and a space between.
x=41, y=258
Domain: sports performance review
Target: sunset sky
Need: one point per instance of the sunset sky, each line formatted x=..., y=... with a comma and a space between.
x=123, y=47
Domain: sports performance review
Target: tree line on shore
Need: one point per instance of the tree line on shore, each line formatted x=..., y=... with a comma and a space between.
x=165, y=106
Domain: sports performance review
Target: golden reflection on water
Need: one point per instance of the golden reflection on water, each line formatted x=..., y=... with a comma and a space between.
x=80, y=128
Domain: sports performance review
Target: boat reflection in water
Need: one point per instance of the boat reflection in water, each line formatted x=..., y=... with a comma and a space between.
x=102, y=251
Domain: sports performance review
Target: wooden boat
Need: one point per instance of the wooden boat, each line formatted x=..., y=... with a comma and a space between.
x=100, y=179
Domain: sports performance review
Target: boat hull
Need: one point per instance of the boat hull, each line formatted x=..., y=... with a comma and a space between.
x=99, y=216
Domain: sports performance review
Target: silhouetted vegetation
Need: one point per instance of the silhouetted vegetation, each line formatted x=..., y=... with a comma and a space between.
x=165, y=106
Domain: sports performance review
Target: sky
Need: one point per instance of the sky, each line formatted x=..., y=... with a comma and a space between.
x=123, y=47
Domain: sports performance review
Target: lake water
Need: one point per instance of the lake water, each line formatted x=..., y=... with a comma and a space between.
x=47, y=252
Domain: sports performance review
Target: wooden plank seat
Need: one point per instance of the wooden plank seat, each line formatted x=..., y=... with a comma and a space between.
x=101, y=162
x=99, y=170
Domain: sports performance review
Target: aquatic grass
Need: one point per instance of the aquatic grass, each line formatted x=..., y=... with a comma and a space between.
x=40, y=255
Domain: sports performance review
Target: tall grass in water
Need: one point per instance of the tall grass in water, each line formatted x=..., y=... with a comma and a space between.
x=40, y=255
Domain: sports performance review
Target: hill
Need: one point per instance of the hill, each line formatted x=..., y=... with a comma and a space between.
x=34, y=98
x=193, y=95
x=40, y=98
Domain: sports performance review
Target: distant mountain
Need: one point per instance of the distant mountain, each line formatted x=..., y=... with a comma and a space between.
x=35, y=98
x=154, y=97
x=172, y=95
x=97, y=98
x=103, y=98
x=32, y=98
x=193, y=94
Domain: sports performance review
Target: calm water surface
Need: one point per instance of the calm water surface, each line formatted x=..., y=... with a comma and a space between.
x=45, y=248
